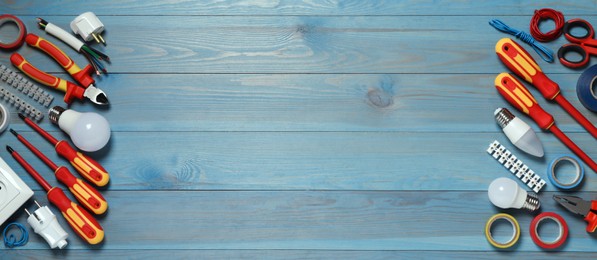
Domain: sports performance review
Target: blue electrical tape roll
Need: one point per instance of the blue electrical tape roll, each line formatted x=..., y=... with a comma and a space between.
x=580, y=172
x=584, y=88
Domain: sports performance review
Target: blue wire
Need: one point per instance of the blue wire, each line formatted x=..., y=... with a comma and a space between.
x=545, y=53
x=11, y=241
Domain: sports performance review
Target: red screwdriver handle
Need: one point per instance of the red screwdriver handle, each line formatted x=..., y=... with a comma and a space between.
x=519, y=61
x=519, y=96
x=87, y=167
x=80, y=220
x=83, y=76
x=72, y=90
x=88, y=196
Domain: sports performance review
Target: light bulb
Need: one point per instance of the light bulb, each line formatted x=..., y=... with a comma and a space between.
x=89, y=131
x=505, y=193
x=519, y=132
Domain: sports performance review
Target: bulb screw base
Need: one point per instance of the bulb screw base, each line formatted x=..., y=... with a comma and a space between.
x=54, y=113
x=503, y=116
x=532, y=202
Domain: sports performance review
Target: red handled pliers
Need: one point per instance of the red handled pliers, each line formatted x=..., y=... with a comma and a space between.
x=72, y=90
x=587, y=209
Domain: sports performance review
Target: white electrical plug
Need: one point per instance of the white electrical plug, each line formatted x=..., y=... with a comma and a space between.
x=88, y=26
x=44, y=223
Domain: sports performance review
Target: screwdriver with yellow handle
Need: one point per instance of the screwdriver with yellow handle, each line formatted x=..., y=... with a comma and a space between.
x=87, y=167
x=519, y=61
x=520, y=97
x=78, y=218
x=87, y=195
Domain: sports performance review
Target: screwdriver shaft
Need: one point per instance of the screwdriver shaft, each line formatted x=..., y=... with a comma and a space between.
x=573, y=147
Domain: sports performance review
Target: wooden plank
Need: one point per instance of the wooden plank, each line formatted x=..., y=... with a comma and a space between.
x=281, y=254
x=309, y=220
x=305, y=160
x=257, y=7
x=298, y=44
x=312, y=102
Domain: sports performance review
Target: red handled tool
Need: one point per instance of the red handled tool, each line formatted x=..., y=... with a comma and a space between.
x=88, y=196
x=584, y=45
x=520, y=97
x=520, y=62
x=87, y=167
x=78, y=218
x=72, y=90
x=587, y=209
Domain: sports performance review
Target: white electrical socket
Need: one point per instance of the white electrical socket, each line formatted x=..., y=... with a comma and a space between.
x=13, y=191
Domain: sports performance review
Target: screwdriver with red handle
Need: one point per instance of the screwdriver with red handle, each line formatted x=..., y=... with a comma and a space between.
x=518, y=60
x=520, y=97
x=87, y=167
x=87, y=195
x=78, y=218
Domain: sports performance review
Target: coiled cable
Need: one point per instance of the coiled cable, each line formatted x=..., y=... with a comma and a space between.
x=545, y=53
x=11, y=241
x=546, y=14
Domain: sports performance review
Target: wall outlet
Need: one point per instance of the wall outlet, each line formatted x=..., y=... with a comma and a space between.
x=13, y=191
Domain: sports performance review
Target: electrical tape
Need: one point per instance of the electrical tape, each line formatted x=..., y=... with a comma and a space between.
x=563, y=230
x=584, y=88
x=515, y=229
x=4, y=118
x=7, y=18
x=551, y=172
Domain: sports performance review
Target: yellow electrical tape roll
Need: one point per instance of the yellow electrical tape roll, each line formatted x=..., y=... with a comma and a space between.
x=515, y=229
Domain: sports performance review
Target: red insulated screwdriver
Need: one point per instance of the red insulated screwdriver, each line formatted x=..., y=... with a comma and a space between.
x=87, y=167
x=520, y=97
x=87, y=195
x=78, y=218
x=520, y=62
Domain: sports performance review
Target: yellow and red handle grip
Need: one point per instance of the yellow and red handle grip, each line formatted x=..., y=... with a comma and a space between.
x=88, y=196
x=80, y=220
x=87, y=167
x=82, y=76
x=519, y=61
x=519, y=96
x=72, y=90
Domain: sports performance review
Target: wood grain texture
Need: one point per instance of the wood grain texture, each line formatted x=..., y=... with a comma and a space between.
x=309, y=220
x=299, y=44
x=306, y=160
x=303, y=7
x=302, y=129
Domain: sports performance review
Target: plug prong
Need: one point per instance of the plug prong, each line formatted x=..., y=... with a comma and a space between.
x=27, y=212
x=37, y=203
x=95, y=37
x=101, y=38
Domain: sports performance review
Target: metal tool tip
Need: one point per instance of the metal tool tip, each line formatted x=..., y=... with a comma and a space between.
x=22, y=116
x=14, y=132
x=9, y=149
x=102, y=99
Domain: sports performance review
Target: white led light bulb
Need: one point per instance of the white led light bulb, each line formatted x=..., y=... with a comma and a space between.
x=505, y=193
x=89, y=131
x=519, y=132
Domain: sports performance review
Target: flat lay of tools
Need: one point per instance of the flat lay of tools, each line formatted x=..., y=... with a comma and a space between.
x=88, y=131
x=504, y=192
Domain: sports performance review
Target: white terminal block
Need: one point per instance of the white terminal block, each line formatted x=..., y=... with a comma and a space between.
x=88, y=26
x=45, y=224
x=515, y=166
x=13, y=192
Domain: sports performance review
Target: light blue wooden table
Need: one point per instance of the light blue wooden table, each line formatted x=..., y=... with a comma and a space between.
x=303, y=129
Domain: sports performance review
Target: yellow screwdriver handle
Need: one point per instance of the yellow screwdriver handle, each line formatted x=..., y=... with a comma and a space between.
x=520, y=97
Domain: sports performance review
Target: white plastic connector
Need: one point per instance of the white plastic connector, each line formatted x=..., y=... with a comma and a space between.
x=88, y=26
x=45, y=224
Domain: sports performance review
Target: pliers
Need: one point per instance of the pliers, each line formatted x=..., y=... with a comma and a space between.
x=587, y=209
x=72, y=90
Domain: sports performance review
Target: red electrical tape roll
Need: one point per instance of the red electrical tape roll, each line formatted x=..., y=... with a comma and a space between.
x=549, y=244
x=5, y=18
x=545, y=14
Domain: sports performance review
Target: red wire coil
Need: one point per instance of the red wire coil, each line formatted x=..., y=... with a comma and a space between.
x=546, y=14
